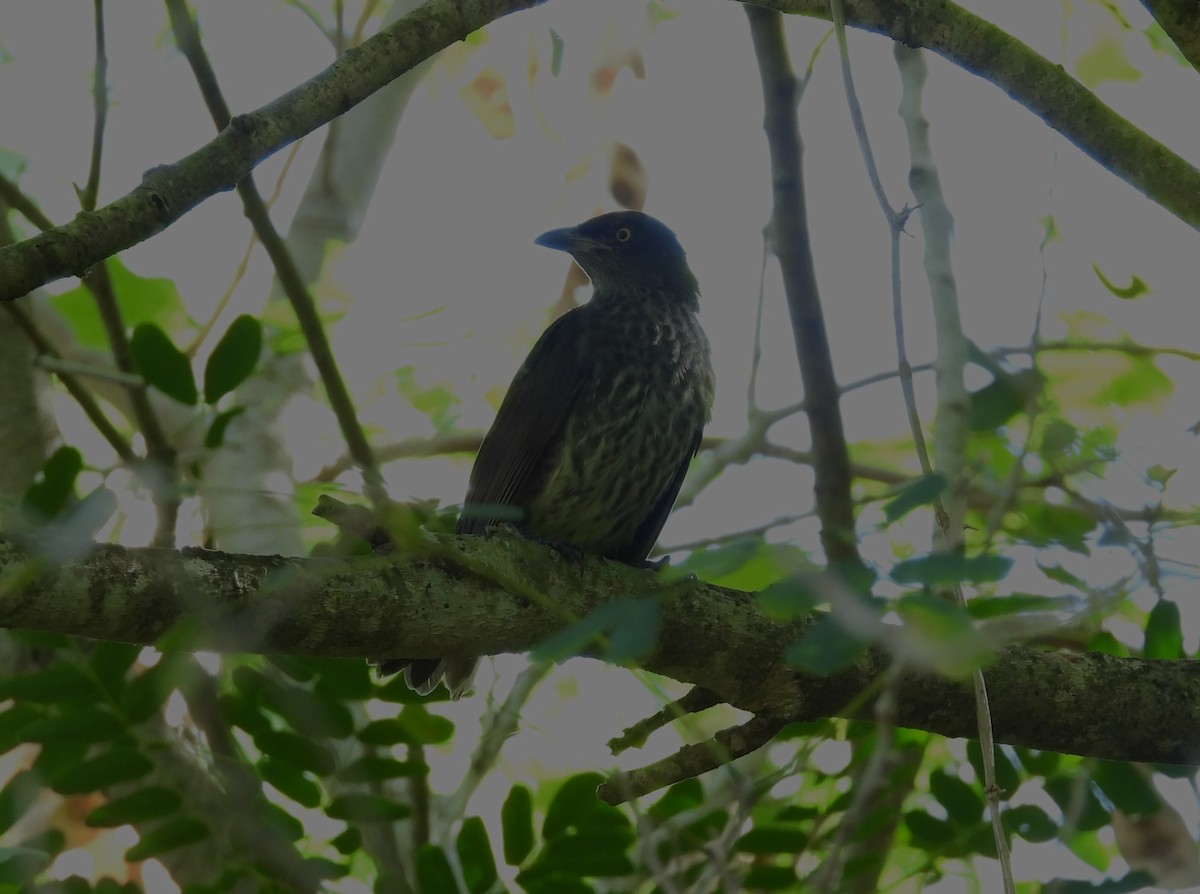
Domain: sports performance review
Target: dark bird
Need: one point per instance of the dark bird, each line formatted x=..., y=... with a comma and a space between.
x=593, y=439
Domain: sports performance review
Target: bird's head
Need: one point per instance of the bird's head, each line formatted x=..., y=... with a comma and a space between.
x=627, y=249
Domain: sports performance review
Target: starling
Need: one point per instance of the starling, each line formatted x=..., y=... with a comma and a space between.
x=592, y=441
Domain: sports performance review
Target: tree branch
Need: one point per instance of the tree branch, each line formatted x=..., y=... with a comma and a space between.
x=1034, y=81
x=711, y=636
x=168, y=192
x=791, y=245
x=1178, y=18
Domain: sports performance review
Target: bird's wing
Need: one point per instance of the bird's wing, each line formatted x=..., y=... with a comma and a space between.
x=647, y=533
x=529, y=420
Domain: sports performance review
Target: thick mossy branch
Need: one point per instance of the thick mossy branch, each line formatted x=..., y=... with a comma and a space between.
x=1089, y=704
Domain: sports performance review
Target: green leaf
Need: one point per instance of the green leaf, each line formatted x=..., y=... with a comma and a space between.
x=426, y=728
x=19, y=864
x=475, y=856
x=630, y=627
x=434, y=875
x=306, y=712
x=556, y=53
x=121, y=763
x=215, y=436
x=140, y=301
x=177, y=833
x=685, y=795
x=162, y=364
x=299, y=751
x=950, y=568
x=516, y=822
x=825, y=648
x=1136, y=288
x=276, y=816
x=592, y=853
x=1060, y=575
x=1021, y=603
x=17, y=797
x=1044, y=525
x=772, y=838
x=111, y=661
x=921, y=492
x=1159, y=475
x=1040, y=763
x=1030, y=822
x=1141, y=384
x=572, y=640
x=635, y=630
x=343, y=678
x=233, y=359
x=348, y=842
x=928, y=832
x=1105, y=60
x=945, y=634
x=1164, y=635
x=141, y=697
x=1075, y=798
x=963, y=802
x=49, y=495
x=60, y=683
x=718, y=562
x=788, y=599
x=78, y=725
x=379, y=769
x=576, y=807
x=1127, y=788
x=13, y=722
x=1009, y=394
x=764, y=877
x=1006, y=772
x=363, y=808
x=145, y=804
x=291, y=782
x=385, y=733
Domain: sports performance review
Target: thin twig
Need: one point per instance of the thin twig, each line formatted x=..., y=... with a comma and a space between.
x=75, y=388
x=87, y=195
x=792, y=247
x=896, y=221
x=20, y=202
x=160, y=471
x=499, y=724
x=239, y=272
x=188, y=39
x=160, y=453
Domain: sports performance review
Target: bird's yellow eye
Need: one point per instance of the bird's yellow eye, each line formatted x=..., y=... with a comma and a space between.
x=624, y=234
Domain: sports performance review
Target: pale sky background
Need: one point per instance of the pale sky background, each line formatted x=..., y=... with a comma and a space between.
x=445, y=275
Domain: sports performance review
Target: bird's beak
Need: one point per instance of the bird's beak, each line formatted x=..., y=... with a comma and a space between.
x=567, y=239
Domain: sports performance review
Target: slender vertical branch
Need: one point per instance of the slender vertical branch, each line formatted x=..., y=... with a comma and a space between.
x=160, y=471
x=188, y=39
x=87, y=196
x=75, y=388
x=896, y=221
x=953, y=403
x=790, y=242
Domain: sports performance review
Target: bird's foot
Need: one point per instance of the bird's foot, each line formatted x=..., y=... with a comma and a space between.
x=562, y=547
x=567, y=550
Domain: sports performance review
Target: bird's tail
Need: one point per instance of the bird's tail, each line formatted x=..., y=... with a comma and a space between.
x=423, y=674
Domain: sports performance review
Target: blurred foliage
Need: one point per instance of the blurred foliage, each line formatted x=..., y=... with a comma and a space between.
x=285, y=765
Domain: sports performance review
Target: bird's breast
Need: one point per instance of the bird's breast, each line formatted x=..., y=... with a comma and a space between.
x=648, y=392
